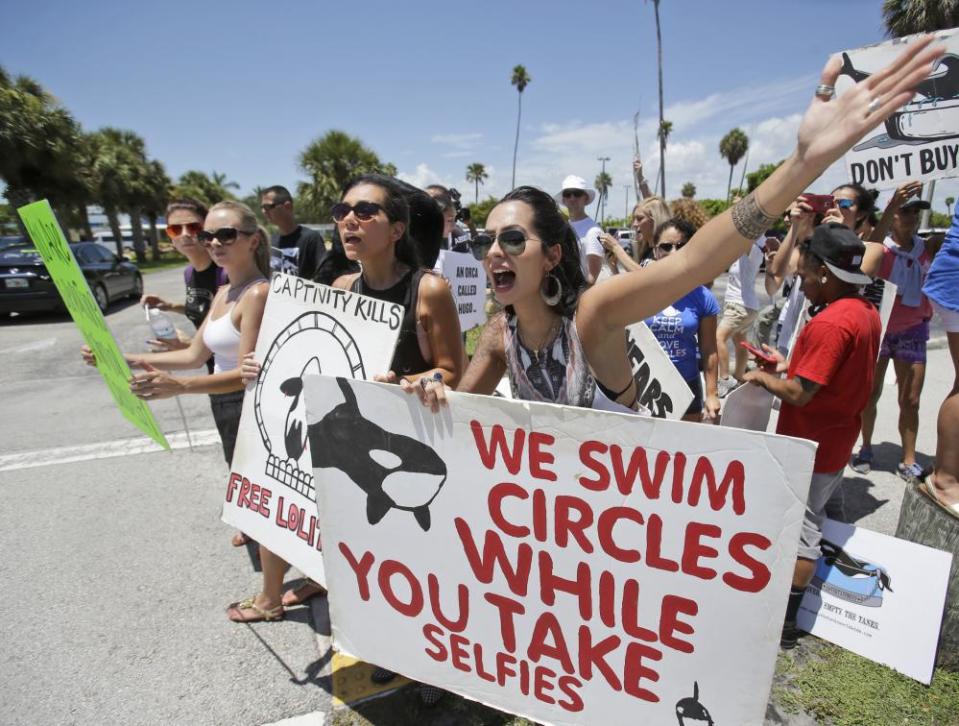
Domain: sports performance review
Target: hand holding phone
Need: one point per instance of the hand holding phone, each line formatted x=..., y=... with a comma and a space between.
x=819, y=203
x=766, y=358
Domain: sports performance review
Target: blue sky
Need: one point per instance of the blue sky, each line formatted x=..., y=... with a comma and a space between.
x=242, y=87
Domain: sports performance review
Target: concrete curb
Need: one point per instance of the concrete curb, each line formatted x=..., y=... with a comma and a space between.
x=938, y=343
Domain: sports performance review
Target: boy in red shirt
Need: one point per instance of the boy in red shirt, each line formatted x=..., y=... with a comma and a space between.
x=828, y=382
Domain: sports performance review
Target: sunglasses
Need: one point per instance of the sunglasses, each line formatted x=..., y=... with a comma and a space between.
x=511, y=241
x=178, y=230
x=267, y=206
x=224, y=235
x=573, y=193
x=845, y=203
x=670, y=246
x=363, y=211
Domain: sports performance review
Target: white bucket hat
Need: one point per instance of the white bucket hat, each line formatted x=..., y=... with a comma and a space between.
x=575, y=182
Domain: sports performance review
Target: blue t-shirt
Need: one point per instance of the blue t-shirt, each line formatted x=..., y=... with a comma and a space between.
x=942, y=282
x=677, y=327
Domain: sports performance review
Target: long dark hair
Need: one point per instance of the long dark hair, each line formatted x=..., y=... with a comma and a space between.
x=865, y=200
x=552, y=228
x=397, y=209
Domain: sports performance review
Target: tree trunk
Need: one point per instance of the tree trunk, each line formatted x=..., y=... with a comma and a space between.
x=85, y=221
x=476, y=192
x=17, y=199
x=114, y=223
x=662, y=139
x=729, y=186
x=136, y=227
x=519, y=115
x=921, y=521
x=154, y=237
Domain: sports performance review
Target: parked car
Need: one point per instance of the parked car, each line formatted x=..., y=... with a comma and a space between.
x=25, y=285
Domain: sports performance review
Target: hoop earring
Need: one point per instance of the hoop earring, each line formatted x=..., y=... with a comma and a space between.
x=551, y=298
x=823, y=280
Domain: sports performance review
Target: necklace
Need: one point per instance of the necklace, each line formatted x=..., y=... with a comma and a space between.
x=537, y=350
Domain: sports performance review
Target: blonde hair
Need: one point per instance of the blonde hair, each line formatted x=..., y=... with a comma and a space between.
x=250, y=225
x=658, y=211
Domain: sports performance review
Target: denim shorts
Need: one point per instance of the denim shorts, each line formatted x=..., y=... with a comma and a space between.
x=696, y=386
x=907, y=345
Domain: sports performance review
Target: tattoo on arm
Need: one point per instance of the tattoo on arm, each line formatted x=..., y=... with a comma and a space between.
x=749, y=219
x=807, y=385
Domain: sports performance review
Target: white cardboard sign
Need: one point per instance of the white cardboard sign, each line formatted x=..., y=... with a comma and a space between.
x=920, y=141
x=571, y=565
x=467, y=278
x=660, y=386
x=878, y=596
x=748, y=407
x=307, y=328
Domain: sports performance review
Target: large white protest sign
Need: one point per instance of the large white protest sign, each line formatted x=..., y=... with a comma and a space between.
x=570, y=565
x=748, y=407
x=468, y=284
x=920, y=141
x=889, y=291
x=878, y=596
x=660, y=386
x=307, y=328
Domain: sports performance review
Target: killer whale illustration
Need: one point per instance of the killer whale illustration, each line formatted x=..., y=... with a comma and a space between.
x=940, y=91
x=690, y=709
x=849, y=578
x=395, y=471
x=293, y=437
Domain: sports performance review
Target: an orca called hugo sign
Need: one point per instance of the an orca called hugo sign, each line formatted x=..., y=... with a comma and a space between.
x=660, y=387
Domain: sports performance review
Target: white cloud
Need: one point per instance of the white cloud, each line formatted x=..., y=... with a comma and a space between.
x=458, y=141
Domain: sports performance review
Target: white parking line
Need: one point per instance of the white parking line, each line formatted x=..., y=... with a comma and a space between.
x=104, y=450
x=316, y=718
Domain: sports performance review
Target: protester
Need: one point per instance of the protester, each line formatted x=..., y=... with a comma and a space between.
x=942, y=289
x=301, y=251
x=455, y=236
x=827, y=384
x=564, y=344
x=740, y=308
x=903, y=260
x=686, y=329
x=647, y=216
x=642, y=186
x=184, y=221
x=576, y=196
x=235, y=243
x=767, y=319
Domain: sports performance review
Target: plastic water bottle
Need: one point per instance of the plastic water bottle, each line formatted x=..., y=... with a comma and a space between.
x=161, y=324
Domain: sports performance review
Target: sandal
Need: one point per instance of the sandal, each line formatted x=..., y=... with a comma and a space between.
x=240, y=539
x=260, y=615
x=930, y=491
x=299, y=595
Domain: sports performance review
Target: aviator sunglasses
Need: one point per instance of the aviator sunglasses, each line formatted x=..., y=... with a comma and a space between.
x=670, y=246
x=224, y=235
x=511, y=241
x=178, y=230
x=363, y=211
x=573, y=193
x=845, y=203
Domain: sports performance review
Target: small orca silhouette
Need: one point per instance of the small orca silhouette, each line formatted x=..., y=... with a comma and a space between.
x=395, y=471
x=942, y=83
x=690, y=709
x=293, y=436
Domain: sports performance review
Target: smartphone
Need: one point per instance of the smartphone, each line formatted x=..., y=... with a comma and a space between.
x=820, y=203
x=759, y=353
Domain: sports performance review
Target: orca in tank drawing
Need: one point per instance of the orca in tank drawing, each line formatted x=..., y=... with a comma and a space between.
x=690, y=711
x=395, y=471
x=293, y=436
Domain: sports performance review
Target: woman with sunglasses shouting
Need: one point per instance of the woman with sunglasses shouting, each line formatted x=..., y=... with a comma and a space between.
x=562, y=343
x=202, y=278
x=234, y=243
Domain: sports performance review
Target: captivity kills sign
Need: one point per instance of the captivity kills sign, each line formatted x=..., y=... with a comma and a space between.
x=919, y=141
x=46, y=235
x=307, y=328
x=569, y=565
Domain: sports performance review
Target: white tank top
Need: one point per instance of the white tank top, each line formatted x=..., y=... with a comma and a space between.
x=223, y=339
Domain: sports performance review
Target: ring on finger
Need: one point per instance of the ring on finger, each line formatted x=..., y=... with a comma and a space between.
x=825, y=91
x=873, y=106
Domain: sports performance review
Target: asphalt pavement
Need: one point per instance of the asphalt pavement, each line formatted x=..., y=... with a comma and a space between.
x=117, y=569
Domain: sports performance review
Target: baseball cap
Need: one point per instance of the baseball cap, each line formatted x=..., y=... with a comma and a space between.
x=841, y=251
x=916, y=203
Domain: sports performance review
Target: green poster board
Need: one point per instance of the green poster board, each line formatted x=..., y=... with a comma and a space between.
x=48, y=238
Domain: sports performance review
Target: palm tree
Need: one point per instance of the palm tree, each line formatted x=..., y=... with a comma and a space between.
x=158, y=193
x=949, y=202
x=476, y=173
x=907, y=17
x=330, y=161
x=689, y=190
x=662, y=136
x=602, y=183
x=732, y=148
x=520, y=79
x=224, y=188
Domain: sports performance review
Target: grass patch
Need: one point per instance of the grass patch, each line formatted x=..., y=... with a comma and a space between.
x=844, y=689
x=472, y=339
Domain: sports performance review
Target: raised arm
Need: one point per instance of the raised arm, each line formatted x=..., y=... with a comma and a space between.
x=829, y=128
x=902, y=194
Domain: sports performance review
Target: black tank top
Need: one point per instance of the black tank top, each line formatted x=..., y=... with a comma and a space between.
x=407, y=359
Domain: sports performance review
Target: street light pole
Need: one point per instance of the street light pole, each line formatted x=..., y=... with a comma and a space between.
x=626, y=212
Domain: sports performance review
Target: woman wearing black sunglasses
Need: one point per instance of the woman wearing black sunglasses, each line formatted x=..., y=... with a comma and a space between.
x=561, y=343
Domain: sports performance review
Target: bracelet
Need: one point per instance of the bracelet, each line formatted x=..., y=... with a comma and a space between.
x=750, y=219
